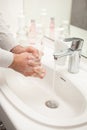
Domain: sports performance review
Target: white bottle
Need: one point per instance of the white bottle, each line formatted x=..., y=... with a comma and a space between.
x=32, y=27
x=44, y=20
x=21, y=33
x=66, y=26
x=32, y=31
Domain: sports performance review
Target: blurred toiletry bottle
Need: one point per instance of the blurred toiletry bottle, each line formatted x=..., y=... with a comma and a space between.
x=52, y=23
x=21, y=33
x=32, y=28
x=32, y=31
x=52, y=28
x=60, y=46
x=44, y=20
x=66, y=25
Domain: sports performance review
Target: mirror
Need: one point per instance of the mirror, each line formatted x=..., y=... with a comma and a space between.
x=74, y=11
x=79, y=13
x=79, y=21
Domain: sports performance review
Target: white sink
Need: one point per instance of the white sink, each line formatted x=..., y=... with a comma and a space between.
x=30, y=96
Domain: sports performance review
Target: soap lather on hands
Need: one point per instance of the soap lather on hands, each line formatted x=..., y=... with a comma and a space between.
x=27, y=60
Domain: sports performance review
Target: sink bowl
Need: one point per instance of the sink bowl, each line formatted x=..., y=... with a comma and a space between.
x=59, y=106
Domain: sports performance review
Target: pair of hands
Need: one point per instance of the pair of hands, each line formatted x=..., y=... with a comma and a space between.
x=27, y=60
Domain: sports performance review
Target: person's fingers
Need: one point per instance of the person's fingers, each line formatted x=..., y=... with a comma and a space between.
x=31, y=57
x=18, y=49
x=40, y=71
x=34, y=63
x=29, y=71
x=40, y=75
x=35, y=72
x=33, y=50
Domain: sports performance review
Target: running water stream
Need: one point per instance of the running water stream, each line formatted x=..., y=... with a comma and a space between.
x=52, y=103
x=54, y=76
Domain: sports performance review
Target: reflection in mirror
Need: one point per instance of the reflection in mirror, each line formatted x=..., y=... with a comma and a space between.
x=62, y=11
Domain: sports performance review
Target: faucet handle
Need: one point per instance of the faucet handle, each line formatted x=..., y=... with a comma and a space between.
x=77, y=43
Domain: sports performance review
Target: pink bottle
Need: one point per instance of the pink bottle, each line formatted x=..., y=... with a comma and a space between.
x=52, y=28
x=32, y=28
x=52, y=23
x=32, y=31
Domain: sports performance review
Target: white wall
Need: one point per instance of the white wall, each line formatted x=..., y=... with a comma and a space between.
x=10, y=10
x=60, y=9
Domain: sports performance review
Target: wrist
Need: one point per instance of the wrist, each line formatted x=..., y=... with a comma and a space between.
x=6, y=58
x=14, y=63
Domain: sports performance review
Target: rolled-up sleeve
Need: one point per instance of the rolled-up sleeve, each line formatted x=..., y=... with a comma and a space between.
x=6, y=58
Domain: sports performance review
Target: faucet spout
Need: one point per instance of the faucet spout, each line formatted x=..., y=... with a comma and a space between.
x=62, y=53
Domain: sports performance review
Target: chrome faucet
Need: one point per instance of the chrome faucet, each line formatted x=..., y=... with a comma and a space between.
x=74, y=53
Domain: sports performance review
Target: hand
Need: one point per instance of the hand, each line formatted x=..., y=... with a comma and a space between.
x=28, y=65
x=34, y=51
x=39, y=72
x=19, y=49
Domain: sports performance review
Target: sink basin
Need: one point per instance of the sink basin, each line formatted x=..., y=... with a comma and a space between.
x=61, y=106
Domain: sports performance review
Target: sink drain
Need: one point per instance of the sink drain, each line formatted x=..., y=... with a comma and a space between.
x=51, y=104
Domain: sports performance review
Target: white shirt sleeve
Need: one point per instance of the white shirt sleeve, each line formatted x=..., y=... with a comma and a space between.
x=7, y=42
x=6, y=58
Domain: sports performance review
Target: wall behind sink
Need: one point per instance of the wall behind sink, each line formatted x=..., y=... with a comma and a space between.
x=10, y=10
